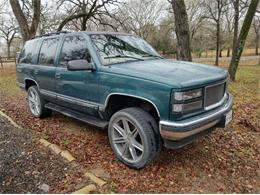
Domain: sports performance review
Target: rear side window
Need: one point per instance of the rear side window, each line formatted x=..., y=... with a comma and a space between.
x=26, y=55
x=48, y=51
x=74, y=48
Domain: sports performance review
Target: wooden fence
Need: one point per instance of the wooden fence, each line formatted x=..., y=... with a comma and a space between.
x=6, y=60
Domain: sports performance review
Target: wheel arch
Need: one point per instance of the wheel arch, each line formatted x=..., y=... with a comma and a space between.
x=130, y=100
x=30, y=82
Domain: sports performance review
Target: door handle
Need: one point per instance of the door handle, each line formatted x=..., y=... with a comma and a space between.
x=36, y=71
x=57, y=75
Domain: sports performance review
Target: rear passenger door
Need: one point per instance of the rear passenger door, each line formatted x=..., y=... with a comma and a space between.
x=27, y=62
x=76, y=89
x=46, y=69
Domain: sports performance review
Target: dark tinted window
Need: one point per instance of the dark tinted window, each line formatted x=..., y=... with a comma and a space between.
x=48, y=50
x=27, y=53
x=74, y=48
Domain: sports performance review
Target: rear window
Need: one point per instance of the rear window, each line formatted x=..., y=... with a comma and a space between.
x=26, y=55
x=48, y=51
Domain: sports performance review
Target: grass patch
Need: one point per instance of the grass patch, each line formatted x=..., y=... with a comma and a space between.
x=8, y=81
x=224, y=62
x=212, y=53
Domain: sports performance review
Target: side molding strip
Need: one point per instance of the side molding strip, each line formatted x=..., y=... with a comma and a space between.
x=70, y=99
x=93, y=104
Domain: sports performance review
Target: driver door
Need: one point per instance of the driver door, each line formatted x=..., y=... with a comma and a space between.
x=77, y=90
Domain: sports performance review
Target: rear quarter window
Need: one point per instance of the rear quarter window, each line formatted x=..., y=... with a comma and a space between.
x=26, y=55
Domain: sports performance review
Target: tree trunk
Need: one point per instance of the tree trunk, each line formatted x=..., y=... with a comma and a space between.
x=182, y=30
x=235, y=36
x=220, y=53
x=8, y=50
x=217, y=43
x=242, y=39
x=256, y=43
x=1, y=62
x=84, y=24
x=26, y=31
x=228, y=52
x=85, y=18
x=178, y=53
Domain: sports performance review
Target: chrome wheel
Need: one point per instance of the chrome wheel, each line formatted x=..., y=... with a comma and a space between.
x=34, y=102
x=127, y=140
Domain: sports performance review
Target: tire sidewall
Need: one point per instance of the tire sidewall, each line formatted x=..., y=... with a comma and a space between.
x=146, y=146
x=35, y=89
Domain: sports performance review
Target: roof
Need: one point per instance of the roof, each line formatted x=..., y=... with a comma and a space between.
x=87, y=32
x=106, y=32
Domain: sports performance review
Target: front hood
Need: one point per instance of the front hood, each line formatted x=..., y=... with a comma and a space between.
x=178, y=74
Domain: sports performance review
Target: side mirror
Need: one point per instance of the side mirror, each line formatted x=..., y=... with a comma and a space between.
x=76, y=65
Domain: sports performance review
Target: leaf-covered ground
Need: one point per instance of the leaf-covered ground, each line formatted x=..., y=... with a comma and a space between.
x=227, y=161
x=25, y=166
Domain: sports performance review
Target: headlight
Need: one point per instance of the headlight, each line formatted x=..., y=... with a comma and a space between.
x=187, y=106
x=187, y=95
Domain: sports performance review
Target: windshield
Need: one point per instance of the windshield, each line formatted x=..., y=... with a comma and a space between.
x=122, y=48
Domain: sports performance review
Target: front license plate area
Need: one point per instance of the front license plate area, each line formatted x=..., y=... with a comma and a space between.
x=228, y=117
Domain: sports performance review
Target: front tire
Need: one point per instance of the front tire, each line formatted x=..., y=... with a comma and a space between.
x=36, y=103
x=132, y=137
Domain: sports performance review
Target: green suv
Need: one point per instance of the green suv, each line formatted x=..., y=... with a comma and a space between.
x=117, y=81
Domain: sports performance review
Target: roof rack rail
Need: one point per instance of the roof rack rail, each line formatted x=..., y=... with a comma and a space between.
x=50, y=34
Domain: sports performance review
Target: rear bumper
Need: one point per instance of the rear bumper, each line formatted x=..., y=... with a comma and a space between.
x=178, y=131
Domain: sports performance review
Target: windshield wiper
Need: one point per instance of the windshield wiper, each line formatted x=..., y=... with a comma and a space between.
x=151, y=55
x=123, y=56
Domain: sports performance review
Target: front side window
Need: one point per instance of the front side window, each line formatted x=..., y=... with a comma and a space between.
x=27, y=53
x=122, y=48
x=48, y=51
x=74, y=48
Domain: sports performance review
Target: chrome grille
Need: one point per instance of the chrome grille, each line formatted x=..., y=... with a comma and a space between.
x=214, y=94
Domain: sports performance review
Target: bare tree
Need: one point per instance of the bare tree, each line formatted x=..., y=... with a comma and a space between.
x=182, y=29
x=2, y=6
x=8, y=31
x=228, y=27
x=242, y=38
x=140, y=17
x=86, y=10
x=50, y=18
x=195, y=16
x=28, y=25
x=256, y=26
x=215, y=9
x=166, y=44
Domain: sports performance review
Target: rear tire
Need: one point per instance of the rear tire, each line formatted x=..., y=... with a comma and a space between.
x=36, y=103
x=132, y=137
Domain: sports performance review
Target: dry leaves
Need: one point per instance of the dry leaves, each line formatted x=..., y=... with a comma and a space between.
x=227, y=161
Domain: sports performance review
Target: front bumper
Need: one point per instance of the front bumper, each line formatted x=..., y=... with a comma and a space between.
x=179, y=131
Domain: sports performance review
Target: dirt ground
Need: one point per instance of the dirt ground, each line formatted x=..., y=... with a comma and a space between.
x=227, y=161
x=25, y=167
